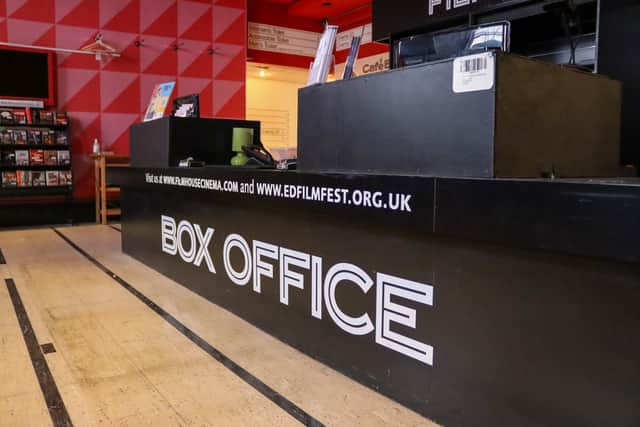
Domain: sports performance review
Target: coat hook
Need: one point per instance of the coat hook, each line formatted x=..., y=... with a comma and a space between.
x=211, y=51
x=138, y=42
x=176, y=46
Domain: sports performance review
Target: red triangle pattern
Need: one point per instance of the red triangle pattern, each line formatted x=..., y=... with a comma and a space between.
x=238, y=4
x=206, y=101
x=86, y=14
x=77, y=60
x=86, y=99
x=114, y=126
x=235, y=107
x=127, y=20
x=165, y=64
x=201, y=29
x=36, y=10
x=129, y=61
x=121, y=145
x=48, y=38
x=128, y=101
x=3, y=30
x=26, y=32
x=201, y=67
x=235, y=70
x=166, y=25
x=236, y=33
x=81, y=84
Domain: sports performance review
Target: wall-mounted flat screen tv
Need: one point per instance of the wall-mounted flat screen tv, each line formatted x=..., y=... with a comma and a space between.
x=27, y=75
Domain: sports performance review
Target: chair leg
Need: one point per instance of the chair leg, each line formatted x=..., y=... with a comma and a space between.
x=97, y=189
x=103, y=189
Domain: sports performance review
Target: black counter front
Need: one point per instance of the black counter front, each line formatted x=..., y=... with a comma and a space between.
x=474, y=302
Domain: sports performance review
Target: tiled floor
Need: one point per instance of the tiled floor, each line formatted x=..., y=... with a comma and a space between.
x=117, y=362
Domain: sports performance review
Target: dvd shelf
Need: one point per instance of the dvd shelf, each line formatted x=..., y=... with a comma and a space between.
x=35, y=155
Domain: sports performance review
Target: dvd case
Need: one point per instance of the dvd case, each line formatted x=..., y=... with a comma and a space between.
x=9, y=179
x=22, y=157
x=61, y=138
x=53, y=180
x=64, y=157
x=19, y=117
x=23, y=178
x=8, y=158
x=34, y=137
x=6, y=116
x=50, y=157
x=37, y=157
x=61, y=118
x=65, y=177
x=19, y=136
x=6, y=136
x=48, y=137
x=46, y=117
x=38, y=179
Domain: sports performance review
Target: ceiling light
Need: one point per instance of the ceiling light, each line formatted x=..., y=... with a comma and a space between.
x=262, y=73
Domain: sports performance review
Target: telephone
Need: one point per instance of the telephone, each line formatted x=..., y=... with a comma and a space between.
x=258, y=156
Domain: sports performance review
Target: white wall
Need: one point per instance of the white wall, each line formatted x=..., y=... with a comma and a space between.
x=273, y=100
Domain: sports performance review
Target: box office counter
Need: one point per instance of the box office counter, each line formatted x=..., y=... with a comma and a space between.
x=472, y=301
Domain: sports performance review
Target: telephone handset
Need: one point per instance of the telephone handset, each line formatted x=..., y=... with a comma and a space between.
x=258, y=155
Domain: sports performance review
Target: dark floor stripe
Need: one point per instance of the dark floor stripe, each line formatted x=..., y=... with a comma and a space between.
x=115, y=228
x=2, y=260
x=57, y=410
x=284, y=403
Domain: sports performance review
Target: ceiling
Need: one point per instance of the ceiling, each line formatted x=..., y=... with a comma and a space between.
x=320, y=9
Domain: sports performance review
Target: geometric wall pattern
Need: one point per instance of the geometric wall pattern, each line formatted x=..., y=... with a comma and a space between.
x=104, y=98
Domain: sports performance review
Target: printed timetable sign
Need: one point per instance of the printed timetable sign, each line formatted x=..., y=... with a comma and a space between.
x=272, y=38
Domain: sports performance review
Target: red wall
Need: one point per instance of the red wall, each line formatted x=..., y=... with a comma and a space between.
x=104, y=98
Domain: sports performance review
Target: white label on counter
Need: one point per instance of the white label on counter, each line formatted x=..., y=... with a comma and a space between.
x=474, y=73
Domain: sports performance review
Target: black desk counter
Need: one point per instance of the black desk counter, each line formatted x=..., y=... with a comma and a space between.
x=472, y=301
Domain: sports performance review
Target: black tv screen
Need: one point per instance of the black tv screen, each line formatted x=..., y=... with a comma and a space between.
x=24, y=74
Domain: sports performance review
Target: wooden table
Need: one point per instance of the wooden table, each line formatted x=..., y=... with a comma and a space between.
x=103, y=161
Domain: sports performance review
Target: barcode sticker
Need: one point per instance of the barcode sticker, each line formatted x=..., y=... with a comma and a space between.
x=473, y=73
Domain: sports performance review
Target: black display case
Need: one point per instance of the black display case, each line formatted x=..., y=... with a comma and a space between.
x=166, y=141
x=532, y=119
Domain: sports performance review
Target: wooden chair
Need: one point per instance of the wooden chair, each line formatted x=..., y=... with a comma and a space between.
x=104, y=161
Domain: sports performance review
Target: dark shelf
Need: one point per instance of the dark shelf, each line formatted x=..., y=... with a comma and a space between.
x=34, y=167
x=34, y=125
x=35, y=191
x=34, y=146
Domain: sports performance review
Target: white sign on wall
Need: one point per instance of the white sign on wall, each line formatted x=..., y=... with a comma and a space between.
x=368, y=65
x=272, y=38
x=343, y=41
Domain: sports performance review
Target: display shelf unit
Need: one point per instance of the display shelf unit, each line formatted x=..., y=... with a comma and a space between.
x=37, y=191
x=27, y=194
x=34, y=167
x=34, y=146
x=34, y=126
